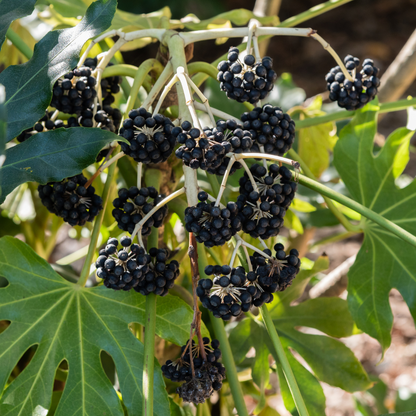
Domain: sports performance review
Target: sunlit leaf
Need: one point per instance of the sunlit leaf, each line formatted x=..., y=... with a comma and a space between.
x=384, y=260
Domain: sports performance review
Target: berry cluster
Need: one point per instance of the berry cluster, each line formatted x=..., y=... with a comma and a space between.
x=353, y=95
x=71, y=200
x=210, y=224
x=277, y=273
x=75, y=92
x=197, y=151
x=151, y=138
x=44, y=124
x=248, y=80
x=228, y=131
x=133, y=204
x=226, y=295
x=122, y=269
x=261, y=211
x=160, y=276
x=209, y=374
x=270, y=128
x=233, y=291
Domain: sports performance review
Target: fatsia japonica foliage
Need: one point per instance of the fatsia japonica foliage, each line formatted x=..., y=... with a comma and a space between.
x=186, y=208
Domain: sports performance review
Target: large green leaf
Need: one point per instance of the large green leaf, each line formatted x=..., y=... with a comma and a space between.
x=384, y=260
x=411, y=413
x=12, y=10
x=73, y=323
x=29, y=86
x=52, y=156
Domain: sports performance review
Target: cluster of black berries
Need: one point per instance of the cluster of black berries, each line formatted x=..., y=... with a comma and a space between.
x=261, y=211
x=109, y=85
x=233, y=291
x=71, y=200
x=239, y=140
x=151, y=138
x=226, y=295
x=271, y=128
x=121, y=269
x=160, y=276
x=353, y=95
x=210, y=224
x=277, y=273
x=209, y=374
x=197, y=151
x=133, y=204
x=248, y=80
x=44, y=124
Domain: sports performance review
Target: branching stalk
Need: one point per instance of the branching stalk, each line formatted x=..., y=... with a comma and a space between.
x=160, y=82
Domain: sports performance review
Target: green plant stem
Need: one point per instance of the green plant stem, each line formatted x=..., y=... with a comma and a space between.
x=334, y=238
x=124, y=70
x=139, y=77
x=204, y=67
x=213, y=181
x=85, y=272
x=19, y=43
x=149, y=340
x=338, y=214
x=312, y=12
x=343, y=115
x=361, y=209
x=287, y=369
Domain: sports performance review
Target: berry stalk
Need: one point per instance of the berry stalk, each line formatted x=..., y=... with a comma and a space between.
x=287, y=369
x=331, y=206
x=357, y=207
x=85, y=272
x=149, y=340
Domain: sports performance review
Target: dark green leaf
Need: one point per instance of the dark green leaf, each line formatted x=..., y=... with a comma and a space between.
x=28, y=86
x=405, y=405
x=12, y=10
x=74, y=323
x=52, y=156
x=411, y=413
x=329, y=315
x=384, y=260
x=240, y=340
x=330, y=360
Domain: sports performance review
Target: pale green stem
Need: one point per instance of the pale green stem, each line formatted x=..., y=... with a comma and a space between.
x=144, y=69
x=19, y=43
x=149, y=340
x=287, y=369
x=337, y=213
x=97, y=226
x=361, y=209
x=204, y=67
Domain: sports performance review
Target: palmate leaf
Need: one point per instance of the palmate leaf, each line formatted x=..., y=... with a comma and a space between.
x=52, y=156
x=73, y=323
x=29, y=86
x=12, y=10
x=384, y=260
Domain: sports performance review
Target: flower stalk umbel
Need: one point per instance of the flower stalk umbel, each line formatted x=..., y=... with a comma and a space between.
x=221, y=148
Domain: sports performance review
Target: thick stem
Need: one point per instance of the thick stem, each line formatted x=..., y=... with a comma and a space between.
x=144, y=69
x=204, y=67
x=120, y=69
x=287, y=369
x=361, y=209
x=96, y=230
x=19, y=43
x=149, y=354
x=337, y=213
